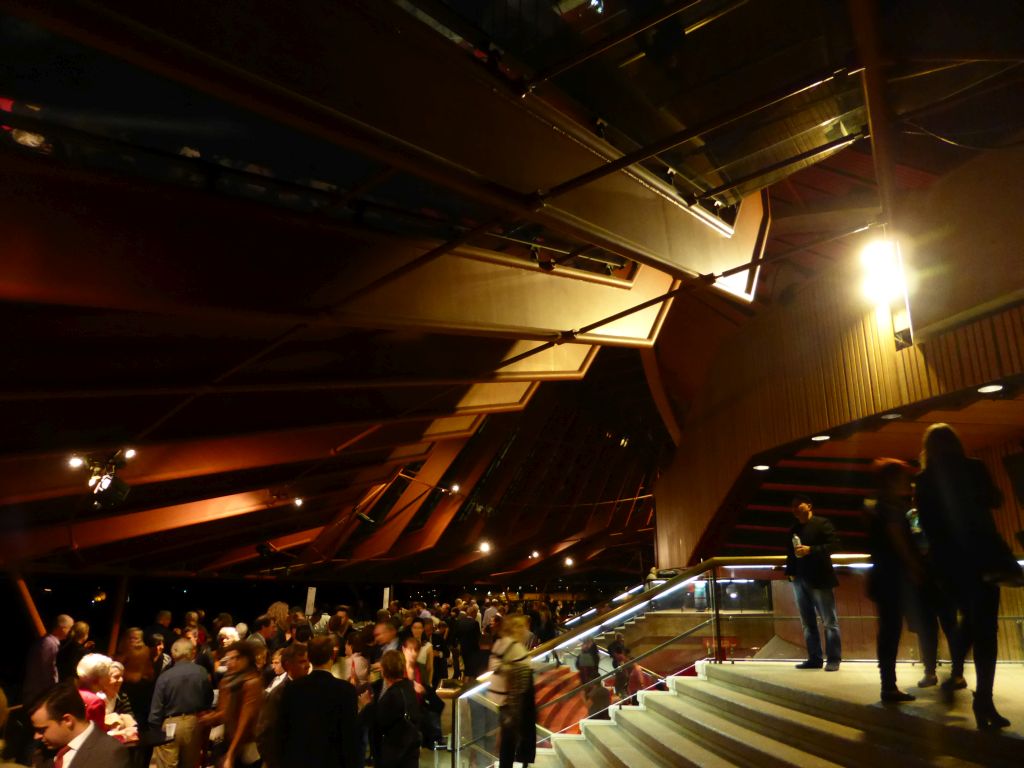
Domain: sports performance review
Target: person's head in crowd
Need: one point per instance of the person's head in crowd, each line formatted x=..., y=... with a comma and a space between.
x=192, y=635
x=472, y=611
x=303, y=633
x=295, y=660
x=515, y=626
x=242, y=629
x=115, y=678
x=79, y=633
x=275, y=662
x=428, y=630
x=191, y=619
x=941, y=447
x=163, y=618
x=227, y=636
x=223, y=621
x=156, y=642
x=239, y=658
x=280, y=613
x=321, y=652
x=135, y=638
x=266, y=626
x=260, y=652
x=383, y=615
x=337, y=625
x=61, y=626
x=893, y=479
x=392, y=666
x=497, y=623
x=58, y=716
x=354, y=645
x=416, y=628
x=93, y=671
x=410, y=649
x=383, y=633
x=442, y=628
x=344, y=612
x=183, y=649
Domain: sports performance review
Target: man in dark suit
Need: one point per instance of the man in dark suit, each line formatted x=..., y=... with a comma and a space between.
x=319, y=716
x=295, y=660
x=59, y=722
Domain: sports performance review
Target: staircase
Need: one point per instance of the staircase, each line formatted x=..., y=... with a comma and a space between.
x=731, y=717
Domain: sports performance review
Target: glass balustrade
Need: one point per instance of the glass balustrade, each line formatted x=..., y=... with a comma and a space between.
x=724, y=610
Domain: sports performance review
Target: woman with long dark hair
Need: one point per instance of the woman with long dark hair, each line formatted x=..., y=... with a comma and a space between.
x=955, y=496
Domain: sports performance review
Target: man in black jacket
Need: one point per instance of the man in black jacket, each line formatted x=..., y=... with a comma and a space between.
x=318, y=716
x=809, y=565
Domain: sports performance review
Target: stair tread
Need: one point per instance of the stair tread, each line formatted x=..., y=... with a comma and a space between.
x=662, y=731
x=546, y=758
x=735, y=732
x=619, y=743
x=700, y=688
x=577, y=752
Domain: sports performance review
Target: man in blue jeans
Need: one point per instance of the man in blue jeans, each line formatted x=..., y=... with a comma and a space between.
x=812, y=541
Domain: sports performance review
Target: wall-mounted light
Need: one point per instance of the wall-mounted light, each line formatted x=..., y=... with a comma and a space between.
x=76, y=462
x=885, y=286
x=891, y=416
x=760, y=467
x=990, y=389
x=821, y=438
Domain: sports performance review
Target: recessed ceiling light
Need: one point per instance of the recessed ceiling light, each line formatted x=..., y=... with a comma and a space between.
x=761, y=467
x=569, y=561
x=821, y=438
x=75, y=462
x=130, y=453
x=891, y=416
x=485, y=546
x=298, y=502
x=989, y=389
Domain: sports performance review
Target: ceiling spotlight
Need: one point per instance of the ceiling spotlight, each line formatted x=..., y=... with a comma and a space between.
x=485, y=547
x=883, y=272
x=297, y=501
x=821, y=438
x=761, y=467
x=990, y=389
x=455, y=487
x=76, y=461
x=108, y=490
x=569, y=562
x=130, y=453
x=891, y=416
x=535, y=554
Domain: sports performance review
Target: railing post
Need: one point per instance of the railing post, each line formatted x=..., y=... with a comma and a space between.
x=455, y=727
x=717, y=625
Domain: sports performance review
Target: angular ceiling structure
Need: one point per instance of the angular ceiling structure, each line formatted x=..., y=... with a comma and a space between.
x=358, y=253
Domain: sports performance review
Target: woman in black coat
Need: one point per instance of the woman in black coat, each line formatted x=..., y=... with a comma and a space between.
x=955, y=496
x=395, y=721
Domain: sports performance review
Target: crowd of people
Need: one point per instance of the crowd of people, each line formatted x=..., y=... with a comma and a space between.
x=290, y=690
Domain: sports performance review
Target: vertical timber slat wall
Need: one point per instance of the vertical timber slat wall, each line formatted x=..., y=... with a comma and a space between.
x=820, y=361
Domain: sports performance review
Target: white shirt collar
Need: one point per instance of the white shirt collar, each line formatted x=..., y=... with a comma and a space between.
x=76, y=743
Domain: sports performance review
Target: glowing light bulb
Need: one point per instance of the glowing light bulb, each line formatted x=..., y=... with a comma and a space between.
x=298, y=502
x=130, y=453
x=569, y=561
x=485, y=546
x=75, y=462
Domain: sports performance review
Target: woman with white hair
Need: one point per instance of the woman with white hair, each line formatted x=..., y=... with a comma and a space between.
x=93, y=671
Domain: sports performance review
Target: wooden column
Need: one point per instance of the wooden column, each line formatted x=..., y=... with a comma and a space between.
x=115, y=625
x=30, y=604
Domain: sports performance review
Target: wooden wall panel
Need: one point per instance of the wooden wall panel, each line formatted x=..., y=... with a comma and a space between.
x=820, y=361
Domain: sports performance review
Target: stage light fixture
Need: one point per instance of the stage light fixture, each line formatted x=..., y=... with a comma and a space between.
x=76, y=461
x=455, y=487
x=130, y=453
x=535, y=554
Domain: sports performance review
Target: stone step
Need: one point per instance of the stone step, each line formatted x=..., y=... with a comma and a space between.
x=577, y=752
x=729, y=737
x=851, y=746
x=664, y=738
x=617, y=746
x=905, y=727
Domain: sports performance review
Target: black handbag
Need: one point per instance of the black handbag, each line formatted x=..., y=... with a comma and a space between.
x=402, y=738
